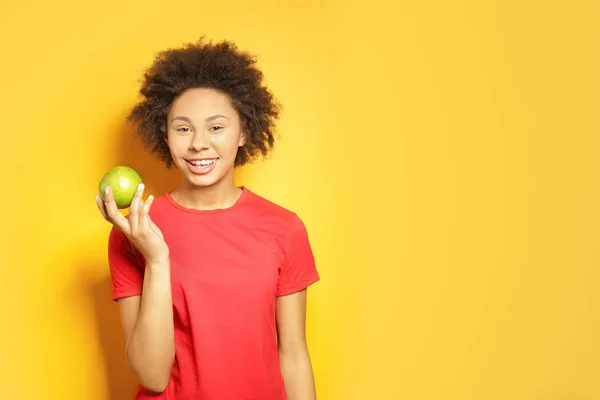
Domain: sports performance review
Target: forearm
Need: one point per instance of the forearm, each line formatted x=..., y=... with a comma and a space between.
x=151, y=348
x=297, y=374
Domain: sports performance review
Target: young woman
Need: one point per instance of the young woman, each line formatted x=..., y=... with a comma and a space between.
x=210, y=277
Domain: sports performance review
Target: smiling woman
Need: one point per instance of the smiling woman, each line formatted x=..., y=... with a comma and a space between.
x=204, y=135
x=210, y=309
x=220, y=67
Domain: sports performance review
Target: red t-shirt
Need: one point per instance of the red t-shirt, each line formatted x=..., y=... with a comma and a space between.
x=227, y=268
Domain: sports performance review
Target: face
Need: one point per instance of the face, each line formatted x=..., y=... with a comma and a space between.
x=204, y=133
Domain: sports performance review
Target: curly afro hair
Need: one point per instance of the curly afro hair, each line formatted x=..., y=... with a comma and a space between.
x=219, y=66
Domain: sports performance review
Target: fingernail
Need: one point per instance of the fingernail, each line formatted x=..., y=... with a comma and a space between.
x=106, y=190
x=97, y=198
x=150, y=197
x=140, y=186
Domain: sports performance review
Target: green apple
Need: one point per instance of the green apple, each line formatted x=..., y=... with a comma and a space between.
x=123, y=182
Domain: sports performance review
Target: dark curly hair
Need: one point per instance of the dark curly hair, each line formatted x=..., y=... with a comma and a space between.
x=219, y=66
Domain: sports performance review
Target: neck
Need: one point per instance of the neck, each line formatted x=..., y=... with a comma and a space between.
x=222, y=194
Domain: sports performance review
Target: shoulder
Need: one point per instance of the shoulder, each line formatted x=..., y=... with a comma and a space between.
x=269, y=210
x=279, y=222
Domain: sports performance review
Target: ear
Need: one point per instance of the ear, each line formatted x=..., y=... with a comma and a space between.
x=165, y=133
x=242, y=139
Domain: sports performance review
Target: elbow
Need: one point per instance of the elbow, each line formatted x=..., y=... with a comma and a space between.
x=155, y=385
x=153, y=378
x=294, y=350
x=154, y=381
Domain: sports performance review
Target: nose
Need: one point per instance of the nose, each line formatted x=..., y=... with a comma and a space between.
x=199, y=141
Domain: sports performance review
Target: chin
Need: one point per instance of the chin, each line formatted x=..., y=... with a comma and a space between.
x=207, y=180
x=202, y=180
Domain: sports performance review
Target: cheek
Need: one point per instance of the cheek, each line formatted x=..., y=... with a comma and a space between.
x=177, y=145
x=226, y=144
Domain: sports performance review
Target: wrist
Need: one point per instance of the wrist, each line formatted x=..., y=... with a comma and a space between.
x=158, y=263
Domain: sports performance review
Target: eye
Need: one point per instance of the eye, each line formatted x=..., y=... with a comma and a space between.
x=215, y=128
x=183, y=129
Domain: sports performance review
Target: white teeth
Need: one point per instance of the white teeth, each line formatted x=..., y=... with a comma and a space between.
x=202, y=163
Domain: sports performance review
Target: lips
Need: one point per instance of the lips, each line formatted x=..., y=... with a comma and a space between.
x=201, y=166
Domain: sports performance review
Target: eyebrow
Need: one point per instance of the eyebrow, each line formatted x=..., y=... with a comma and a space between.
x=215, y=117
x=189, y=121
x=186, y=119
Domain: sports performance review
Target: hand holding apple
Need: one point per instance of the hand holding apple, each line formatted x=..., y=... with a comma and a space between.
x=138, y=226
x=123, y=182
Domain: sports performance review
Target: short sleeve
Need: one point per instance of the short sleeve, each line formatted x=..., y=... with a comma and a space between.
x=298, y=269
x=125, y=264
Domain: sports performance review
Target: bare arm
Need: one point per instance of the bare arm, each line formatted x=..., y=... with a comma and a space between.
x=147, y=319
x=294, y=358
x=148, y=324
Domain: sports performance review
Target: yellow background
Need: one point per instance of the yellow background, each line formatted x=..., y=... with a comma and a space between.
x=443, y=154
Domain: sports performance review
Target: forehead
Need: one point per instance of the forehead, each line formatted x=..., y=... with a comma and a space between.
x=202, y=103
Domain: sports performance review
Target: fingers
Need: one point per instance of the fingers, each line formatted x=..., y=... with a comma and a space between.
x=155, y=228
x=138, y=220
x=101, y=207
x=112, y=212
x=134, y=208
x=144, y=218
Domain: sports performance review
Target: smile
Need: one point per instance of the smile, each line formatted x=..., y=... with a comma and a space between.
x=202, y=163
x=201, y=167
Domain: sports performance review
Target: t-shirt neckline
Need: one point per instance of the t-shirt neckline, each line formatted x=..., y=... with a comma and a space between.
x=235, y=205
